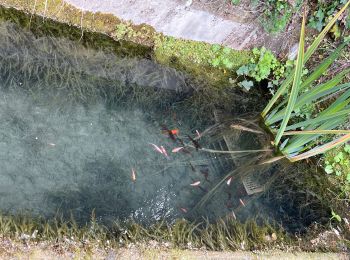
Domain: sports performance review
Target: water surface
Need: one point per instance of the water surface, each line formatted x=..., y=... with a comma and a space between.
x=75, y=121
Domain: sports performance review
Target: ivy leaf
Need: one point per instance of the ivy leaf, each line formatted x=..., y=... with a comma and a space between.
x=227, y=50
x=347, y=148
x=339, y=157
x=336, y=31
x=216, y=47
x=215, y=62
x=243, y=70
x=329, y=169
x=246, y=84
x=348, y=177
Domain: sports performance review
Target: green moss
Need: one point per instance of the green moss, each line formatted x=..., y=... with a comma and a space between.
x=89, y=38
x=215, y=62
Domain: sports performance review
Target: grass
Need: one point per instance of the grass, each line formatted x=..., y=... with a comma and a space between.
x=225, y=234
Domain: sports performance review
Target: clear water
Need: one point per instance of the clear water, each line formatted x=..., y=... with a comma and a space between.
x=74, y=122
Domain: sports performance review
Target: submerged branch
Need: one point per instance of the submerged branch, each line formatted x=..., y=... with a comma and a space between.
x=230, y=152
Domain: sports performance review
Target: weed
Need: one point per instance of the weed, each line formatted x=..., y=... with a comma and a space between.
x=325, y=9
x=262, y=65
x=337, y=166
x=213, y=62
x=277, y=14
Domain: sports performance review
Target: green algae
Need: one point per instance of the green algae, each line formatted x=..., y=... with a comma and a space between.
x=198, y=58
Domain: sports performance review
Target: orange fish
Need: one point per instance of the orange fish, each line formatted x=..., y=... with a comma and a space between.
x=241, y=201
x=195, y=183
x=177, y=149
x=234, y=215
x=174, y=131
x=159, y=150
x=184, y=210
x=229, y=181
x=164, y=151
x=133, y=175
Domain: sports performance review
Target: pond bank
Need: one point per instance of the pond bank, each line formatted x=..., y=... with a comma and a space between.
x=171, y=18
x=12, y=250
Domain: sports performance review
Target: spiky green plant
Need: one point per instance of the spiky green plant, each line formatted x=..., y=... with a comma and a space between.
x=305, y=134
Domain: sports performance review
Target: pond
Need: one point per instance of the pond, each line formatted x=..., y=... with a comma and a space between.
x=85, y=129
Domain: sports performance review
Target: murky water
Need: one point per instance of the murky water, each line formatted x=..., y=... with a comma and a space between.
x=74, y=122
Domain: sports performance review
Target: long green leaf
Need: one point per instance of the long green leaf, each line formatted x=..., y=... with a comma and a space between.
x=322, y=34
x=319, y=70
x=318, y=119
x=297, y=143
x=313, y=132
x=314, y=94
x=296, y=82
x=320, y=149
x=315, y=75
x=308, y=54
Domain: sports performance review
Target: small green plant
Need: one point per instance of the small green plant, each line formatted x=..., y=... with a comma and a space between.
x=335, y=216
x=221, y=57
x=325, y=9
x=338, y=163
x=262, y=65
x=235, y=2
x=277, y=14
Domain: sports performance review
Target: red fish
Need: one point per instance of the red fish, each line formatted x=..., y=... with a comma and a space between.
x=156, y=148
x=228, y=182
x=234, y=215
x=133, y=175
x=174, y=131
x=164, y=151
x=241, y=201
x=177, y=149
x=195, y=183
x=184, y=210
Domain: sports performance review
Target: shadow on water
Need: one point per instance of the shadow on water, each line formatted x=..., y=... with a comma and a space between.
x=75, y=121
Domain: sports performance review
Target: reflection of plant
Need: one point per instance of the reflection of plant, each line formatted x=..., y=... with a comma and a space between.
x=305, y=133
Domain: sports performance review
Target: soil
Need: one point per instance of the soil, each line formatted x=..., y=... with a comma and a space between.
x=50, y=250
